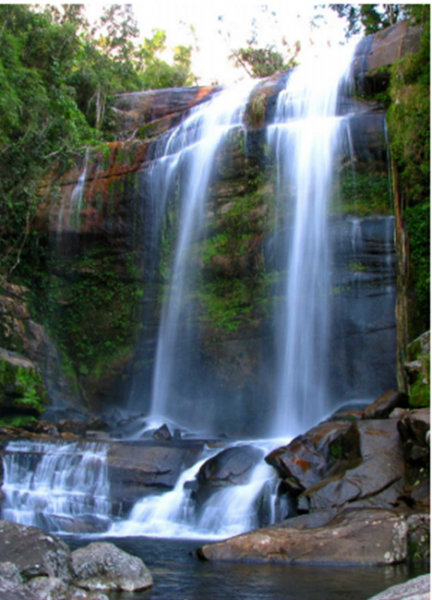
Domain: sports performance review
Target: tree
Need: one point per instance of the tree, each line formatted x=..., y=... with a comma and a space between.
x=262, y=62
x=371, y=18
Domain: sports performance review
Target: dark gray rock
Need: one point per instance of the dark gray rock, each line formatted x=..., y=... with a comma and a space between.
x=361, y=536
x=163, y=434
x=48, y=588
x=307, y=458
x=414, y=589
x=34, y=552
x=232, y=466
x=103, y=566
x=378, y=474
x=385, y=404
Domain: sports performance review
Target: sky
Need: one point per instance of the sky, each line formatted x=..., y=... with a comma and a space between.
x=222, y=26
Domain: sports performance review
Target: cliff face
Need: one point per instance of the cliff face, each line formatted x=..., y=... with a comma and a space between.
x=105, y=247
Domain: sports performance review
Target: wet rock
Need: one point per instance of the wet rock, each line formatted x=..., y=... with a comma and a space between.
x=359, y=536
x=419, y=537
x=309, y=456
x=103, y=566
x=375, y=479
x=48, y=588
x=35, y=552
x=163, y=434
x=232, y=466
x=139, y=468
x=414, y=589
x=385, y=404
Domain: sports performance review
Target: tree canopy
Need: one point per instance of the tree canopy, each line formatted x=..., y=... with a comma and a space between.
x=56, y=75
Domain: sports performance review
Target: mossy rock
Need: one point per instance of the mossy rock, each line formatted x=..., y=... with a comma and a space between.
x=22, y=393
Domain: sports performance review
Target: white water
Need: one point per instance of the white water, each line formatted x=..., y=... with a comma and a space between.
x=305, y=136
x=73, y=210
x=52, y=485
x=228, y=512
x=188, y=161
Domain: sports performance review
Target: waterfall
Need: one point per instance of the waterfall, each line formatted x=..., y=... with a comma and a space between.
x=185, y=167
x=229, y=511
x=75, y=203
x=57, y=486
x=305, y=136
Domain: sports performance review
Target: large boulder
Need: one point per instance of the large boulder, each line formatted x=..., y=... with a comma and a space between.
x=385, y=404
x=376, y=480
x=139, y=468
x=232, y=466
x=103, y=566
x=355, y=536
x=34, y=552
x=12, y=585
x=414, y=589
x=305, y=460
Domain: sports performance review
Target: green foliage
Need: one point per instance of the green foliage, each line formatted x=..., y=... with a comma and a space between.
x=363, y=193
x=263, y=62
x=56, y=77
x=21, y=421
x=368, y=18
x=90, y=310
x=24, y=386
x=409, y=131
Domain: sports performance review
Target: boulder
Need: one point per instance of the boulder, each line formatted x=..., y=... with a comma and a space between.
x=103, y=566
x=385, y=404
x=232, y=466
x=11, y=584
x=48, y=588
x=375, y=480
x=34, y=552
x=414, y=589
x=355, y=536
x=138, y=468
x=305, y=460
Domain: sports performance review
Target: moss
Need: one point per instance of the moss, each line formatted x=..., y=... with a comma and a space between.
x=17, y=420
x=23, y=387
x=363, y=193
x=90, y=305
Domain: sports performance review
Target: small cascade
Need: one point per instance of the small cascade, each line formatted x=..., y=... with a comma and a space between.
x=60, y=487
x=232, y=510
x=306, y=136
x=184, y=167
x=73, y=207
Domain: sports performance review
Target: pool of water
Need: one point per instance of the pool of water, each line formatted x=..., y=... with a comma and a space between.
x=178, y=575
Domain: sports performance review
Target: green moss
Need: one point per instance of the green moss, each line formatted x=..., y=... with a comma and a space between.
x=90, y=309
x=17, y=420
x=363, y=193
x=23, y=386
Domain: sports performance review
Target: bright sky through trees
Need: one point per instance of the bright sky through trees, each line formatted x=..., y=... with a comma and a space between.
x=218, y=28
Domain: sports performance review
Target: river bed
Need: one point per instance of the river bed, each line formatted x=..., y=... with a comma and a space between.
x=178, y=575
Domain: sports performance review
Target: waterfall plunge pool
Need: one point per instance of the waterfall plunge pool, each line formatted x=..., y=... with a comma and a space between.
x=178, y=575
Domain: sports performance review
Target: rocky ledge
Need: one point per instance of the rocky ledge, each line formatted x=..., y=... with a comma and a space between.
x=355, y=490
x=35, y=565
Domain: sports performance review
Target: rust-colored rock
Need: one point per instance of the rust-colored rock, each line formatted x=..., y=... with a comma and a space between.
x=374, y=537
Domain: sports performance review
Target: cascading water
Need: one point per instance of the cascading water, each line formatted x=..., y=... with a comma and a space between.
x=73, y=210
x=57, y=486
x=185, y=167
x=306, y=136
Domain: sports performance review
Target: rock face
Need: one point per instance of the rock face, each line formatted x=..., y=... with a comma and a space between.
x=353, y=537
x=37, y=566
x=34, y=552
x=102, y=566
x=230, y=467
x=414, y=589
x=137, y=469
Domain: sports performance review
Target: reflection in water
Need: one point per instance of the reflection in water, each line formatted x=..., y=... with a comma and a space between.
x=178, y=575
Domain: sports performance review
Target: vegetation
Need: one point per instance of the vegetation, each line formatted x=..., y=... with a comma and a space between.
x=370, y=18
x=22, y=394
x=56, y=76
x=409, y=131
